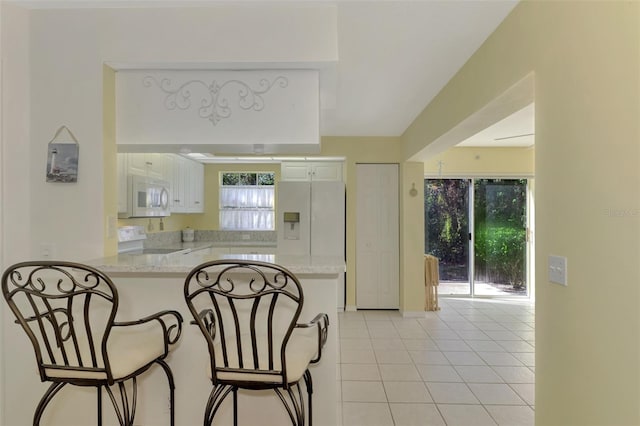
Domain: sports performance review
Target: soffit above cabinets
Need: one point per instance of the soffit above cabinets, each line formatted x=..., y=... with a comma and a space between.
x=222, y=111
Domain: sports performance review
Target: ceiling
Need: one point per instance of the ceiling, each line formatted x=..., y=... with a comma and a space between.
x=516, y=130
x=394, y=58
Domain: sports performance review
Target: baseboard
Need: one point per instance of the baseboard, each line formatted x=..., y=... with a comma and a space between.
x=350, y=308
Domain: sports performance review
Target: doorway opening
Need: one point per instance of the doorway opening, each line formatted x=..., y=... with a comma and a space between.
x=480, y=230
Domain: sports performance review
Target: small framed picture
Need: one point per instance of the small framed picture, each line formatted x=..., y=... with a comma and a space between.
x=62, y=162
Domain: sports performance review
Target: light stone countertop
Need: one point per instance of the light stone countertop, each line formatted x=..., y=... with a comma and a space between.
x=240, y=244
x=196, y=245
x=181, y=264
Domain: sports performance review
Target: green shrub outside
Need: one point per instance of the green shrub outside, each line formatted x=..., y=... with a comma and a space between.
x=500, y=253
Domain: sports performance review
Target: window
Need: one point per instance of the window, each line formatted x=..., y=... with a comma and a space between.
x=247, y=201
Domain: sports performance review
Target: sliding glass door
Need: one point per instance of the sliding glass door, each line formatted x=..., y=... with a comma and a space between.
x=486, y=256
x=500, y=236
x=446, y=219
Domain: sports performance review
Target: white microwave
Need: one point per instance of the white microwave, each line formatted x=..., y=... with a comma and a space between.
x=147, y=197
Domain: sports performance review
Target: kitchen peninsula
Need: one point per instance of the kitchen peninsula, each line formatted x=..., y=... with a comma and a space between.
x=180, y=263
x=151, y=282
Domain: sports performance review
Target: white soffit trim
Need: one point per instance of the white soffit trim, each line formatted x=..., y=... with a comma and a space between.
x=221, y=108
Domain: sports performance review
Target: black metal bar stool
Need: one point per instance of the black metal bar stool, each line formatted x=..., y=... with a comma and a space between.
x=68, y=311
x=248, y=313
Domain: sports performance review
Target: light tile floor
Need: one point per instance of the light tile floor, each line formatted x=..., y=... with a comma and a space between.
x=469, y=364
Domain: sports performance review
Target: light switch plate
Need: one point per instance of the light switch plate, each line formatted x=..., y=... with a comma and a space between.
x=558, y=270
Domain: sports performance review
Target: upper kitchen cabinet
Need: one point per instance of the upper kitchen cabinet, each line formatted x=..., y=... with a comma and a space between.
x=187, y=183
x=143, y=164
x=185, y=177
x=147, y=164
x=308, y=171
x=195, y=200
x=177, y=169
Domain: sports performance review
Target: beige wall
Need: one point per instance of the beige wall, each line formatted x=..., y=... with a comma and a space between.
x=412, y=291
x=110, y=155
x=384, y=150
x=585, y=61
x=481, y=162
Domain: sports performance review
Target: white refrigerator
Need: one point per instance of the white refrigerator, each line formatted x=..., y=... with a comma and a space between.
x=311, y=221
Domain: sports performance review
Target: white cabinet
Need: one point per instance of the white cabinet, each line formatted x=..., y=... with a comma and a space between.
x=295, y=171
x=187, y=184
x=143, y=164
x=177, y=167
x=311, y=171
x=326, y=171
x=195, y=188
x=185, y=176
x=146, y=164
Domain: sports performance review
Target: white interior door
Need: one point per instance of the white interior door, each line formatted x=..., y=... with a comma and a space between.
x=377, y=237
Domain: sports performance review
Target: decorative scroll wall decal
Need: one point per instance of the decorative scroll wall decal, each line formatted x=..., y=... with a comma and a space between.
x=214, y=103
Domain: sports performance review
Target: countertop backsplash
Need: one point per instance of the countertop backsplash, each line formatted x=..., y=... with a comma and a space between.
x=219, y=238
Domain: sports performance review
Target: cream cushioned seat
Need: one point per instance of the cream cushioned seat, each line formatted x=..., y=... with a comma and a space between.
x=129, y=348
x=301, y=349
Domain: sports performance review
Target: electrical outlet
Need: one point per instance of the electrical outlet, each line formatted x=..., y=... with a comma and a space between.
x=558, y=270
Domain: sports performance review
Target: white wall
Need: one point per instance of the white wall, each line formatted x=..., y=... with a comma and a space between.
x=16, y=150
x=281, y=107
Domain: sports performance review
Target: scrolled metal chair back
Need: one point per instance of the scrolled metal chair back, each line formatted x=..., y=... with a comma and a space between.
x=67, y=311
x=247, y=311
